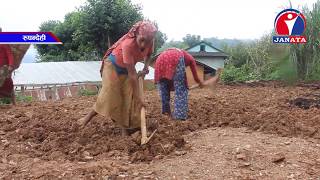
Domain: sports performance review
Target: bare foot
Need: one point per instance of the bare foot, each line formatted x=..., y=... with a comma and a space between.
x=83, y=122
x=124, y=132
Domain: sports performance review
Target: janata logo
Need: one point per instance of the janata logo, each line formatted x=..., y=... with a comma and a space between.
x=290, y=25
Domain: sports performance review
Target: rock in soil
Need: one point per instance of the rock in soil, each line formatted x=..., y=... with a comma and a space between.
x=277, y=158
x=180, y=153
x=241, y=156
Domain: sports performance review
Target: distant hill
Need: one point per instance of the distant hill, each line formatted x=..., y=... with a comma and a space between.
x=219, y=43
x=30, y=56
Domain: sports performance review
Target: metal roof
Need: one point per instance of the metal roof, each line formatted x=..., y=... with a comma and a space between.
x=208, y=54
x=58, y=73
x=208, y=44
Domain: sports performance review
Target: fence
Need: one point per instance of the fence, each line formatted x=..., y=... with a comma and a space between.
x=61, y=91
x=55, y=92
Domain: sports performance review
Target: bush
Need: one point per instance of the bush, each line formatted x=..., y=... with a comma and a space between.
x=85, y=92
x=242, y=74
x=314, y=75
x=283, y=69
x=5, y=100
x=23, y=98
x=19, y=98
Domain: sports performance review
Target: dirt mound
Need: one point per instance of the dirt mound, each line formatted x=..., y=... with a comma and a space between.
x=47, y=130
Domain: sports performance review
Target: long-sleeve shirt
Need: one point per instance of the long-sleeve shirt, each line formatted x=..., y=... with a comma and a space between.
x=6, y=55
x=167, y=61
x=190, y=61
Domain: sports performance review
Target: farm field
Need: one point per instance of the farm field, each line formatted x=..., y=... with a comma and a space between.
x=256, y=131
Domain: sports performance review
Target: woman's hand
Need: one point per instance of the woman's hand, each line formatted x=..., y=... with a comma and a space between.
x=201, y=84
x=141, y=103
x=143, y=72
x=10, y=68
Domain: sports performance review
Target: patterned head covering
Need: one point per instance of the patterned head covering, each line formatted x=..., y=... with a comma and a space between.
x=144, y=28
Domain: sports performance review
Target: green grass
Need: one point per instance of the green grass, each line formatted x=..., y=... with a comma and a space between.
x=19, y=98
x=22, y=98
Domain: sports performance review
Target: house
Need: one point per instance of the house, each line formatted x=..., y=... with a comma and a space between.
x=57, y=80
x=208, y=59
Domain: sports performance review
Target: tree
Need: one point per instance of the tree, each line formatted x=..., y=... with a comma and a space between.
x=251, y=60
x=105, y=21
x=48, y=49
x=89, y=31
x=238, y=54
x=160, y=40
x=191, y=40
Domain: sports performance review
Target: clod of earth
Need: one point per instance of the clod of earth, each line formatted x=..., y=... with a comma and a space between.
x=277, y=158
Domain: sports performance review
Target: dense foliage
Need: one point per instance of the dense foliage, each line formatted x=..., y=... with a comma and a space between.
x=262, y=60
x=91, y=29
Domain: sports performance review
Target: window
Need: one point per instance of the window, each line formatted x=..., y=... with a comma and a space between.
x=202, y=47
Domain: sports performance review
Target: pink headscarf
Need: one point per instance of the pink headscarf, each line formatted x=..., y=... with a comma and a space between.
x=145, y=28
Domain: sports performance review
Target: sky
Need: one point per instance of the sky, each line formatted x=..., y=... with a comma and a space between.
x=240, y=19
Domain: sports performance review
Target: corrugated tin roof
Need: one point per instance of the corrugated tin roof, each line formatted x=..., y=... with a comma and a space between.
x=208, y=44
x=208, y=54
x=50, y=73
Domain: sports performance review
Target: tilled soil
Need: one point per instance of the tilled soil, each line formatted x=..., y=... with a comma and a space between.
x=229, y=153
x=46, y=133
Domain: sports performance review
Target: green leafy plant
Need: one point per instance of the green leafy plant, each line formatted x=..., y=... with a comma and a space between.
x=85, y=92
x=5, y=100
x=307, y=56
x=23, y=98
x=19, y=98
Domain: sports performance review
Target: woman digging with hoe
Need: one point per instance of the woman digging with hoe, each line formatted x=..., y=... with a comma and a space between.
x=119, y=97
x=170, y=74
